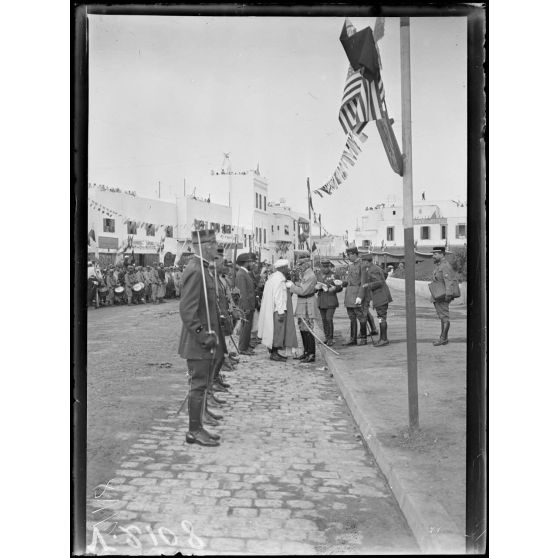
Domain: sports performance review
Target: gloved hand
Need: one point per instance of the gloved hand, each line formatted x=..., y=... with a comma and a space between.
x=208, y=340
x=325, y=288
x=358, y=300
x=337, y=282
x=288, y=284
x=281, y=317
x=449, y=298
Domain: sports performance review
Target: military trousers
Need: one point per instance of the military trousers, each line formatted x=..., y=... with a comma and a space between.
x=199, y=374
x=327, y=321
x=442, y=309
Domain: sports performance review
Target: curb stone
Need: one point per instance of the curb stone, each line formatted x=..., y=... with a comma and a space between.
x=434, y=530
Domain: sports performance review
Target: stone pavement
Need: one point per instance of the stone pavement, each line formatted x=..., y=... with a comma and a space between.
x=292, y=476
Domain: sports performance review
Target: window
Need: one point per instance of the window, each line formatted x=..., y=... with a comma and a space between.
x=425, y=233
x=265, y=203
x=256, y=200
x=265, y=236
x=271, y=228
x=216, y=227
x=132, y=227
x=393, y=212
x=108, y=225
x=287, y=230
x=443, y=233
x=389, y=234
x=226, y=229
x=168, y=231
x=461, y=231
x=366, y=244
x=149, y=229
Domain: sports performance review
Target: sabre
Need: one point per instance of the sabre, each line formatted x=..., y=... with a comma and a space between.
x=205, y=289
x=317, y=338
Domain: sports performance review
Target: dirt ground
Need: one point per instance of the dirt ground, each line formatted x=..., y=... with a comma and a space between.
x=129, y=378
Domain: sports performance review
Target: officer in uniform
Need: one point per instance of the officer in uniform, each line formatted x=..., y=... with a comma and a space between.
x=305, y=289
x=327, y=298
x=444, y=281
x=245, y=284
x=354, y=295
x=378, y=292
x=199, y=341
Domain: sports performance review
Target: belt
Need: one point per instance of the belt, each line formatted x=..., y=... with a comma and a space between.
x=305, y=296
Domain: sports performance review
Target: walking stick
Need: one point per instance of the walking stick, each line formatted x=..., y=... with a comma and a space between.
x=317, y=338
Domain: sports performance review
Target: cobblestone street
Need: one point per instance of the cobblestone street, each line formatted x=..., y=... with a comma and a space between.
x=291, y=475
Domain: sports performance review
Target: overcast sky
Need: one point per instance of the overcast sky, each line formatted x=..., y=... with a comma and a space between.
x=169, y=95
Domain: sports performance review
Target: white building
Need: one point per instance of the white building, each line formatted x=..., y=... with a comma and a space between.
x=435, y=223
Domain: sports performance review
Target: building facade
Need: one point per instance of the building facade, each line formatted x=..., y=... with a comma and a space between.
x=442, y=222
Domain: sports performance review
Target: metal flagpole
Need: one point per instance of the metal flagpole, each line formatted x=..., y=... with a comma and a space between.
x=408, y=225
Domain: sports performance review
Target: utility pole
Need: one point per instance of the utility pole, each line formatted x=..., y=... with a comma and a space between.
x=159, y=189
x=408, y=224
x=309, y=222
x=184, y=187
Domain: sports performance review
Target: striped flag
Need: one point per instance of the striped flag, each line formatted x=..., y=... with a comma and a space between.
x=363, y=100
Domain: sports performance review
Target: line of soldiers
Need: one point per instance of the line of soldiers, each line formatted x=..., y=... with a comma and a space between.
x=130, y=284
x=210, y=309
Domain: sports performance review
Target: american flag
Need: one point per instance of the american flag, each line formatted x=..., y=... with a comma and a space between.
x=363, y=100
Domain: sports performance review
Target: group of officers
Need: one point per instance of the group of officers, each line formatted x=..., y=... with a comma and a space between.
x=212, y=304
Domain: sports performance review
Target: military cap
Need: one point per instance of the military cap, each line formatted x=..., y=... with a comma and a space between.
x=253, y=256
x=205, y=235
x=325, y=262
x=352, y=250
x=243, y=258
x=439, y=249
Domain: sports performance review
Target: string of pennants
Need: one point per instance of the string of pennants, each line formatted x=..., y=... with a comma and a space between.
x=111, y=214
x=348, y=158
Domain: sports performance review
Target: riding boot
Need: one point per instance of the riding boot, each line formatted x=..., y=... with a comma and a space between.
x=353, y=340
x=311, y=348
x=383, y=335
x=443, y=336
x=370, y=320
x=304, y=335
x=363, y=334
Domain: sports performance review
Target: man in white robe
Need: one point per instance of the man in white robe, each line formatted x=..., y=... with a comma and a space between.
x=276, y=325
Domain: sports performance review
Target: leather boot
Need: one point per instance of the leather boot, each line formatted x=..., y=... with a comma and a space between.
x=311, y=348
x=209, y=411
x=213, y=400
x=383, y=335
x=221, y=380
x=353, y=340
x=304, y=335
x=195, y=408
x=443, y=336
x=201, y=437
x=370, y=320
x=363, y=334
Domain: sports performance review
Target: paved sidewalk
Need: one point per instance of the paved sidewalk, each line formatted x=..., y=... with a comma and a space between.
x=426, y=472
x=291, y=477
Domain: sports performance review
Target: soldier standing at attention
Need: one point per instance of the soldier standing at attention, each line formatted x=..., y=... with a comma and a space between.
x=327, y=299
x=445, y=283
x=199, y=340
x=379, y=293
x=306, y=307
x=247, y=303
x=354, y=295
